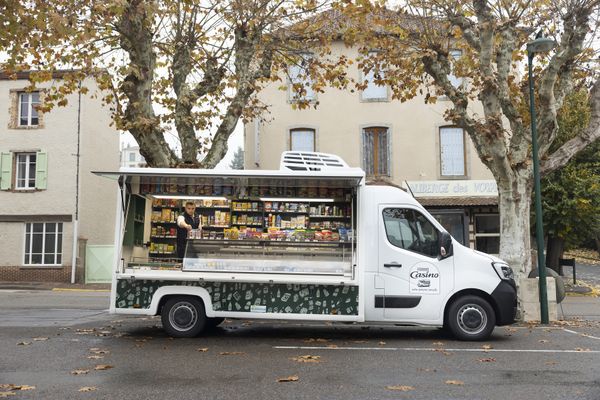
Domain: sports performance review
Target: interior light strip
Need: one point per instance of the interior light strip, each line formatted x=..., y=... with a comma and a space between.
x=296, y=199
x=177, y=196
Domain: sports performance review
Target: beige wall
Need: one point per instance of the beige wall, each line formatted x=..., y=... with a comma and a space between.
x=99, y=150
x=338, y=120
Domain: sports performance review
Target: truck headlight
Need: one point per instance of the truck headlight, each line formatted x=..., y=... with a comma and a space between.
x=503, y=270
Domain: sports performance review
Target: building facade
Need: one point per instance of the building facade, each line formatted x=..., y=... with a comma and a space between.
x=131, y=157
x=409, y=144
x=54, y=210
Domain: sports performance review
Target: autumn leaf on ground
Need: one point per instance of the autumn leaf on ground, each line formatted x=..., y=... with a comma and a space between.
x=444, y=352
x=40, y=339
x=318, y=340
x=99, y=351
x=551, y=362
x=332, y=346
x=307, y=359
x=231, y=353
x=487, y=347
x=95, y=357
x=102, y=367
x=402, y=388
x=359, y=341
x=6, y=394
x=543, y=340
x=581, y=349
x=438, y=343
x=426, y=370
x=11, y=386
x=80, y=371
x=88, y=389
x=487, y=359
x=382, y=343
x=291, y=378
x=202, y=349
x=23, y=343
x=453, y=382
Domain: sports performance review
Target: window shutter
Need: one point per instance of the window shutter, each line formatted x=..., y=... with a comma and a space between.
x=41, y=171
x=5, y=170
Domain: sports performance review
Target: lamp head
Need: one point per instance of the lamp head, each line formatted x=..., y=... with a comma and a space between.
x=540, y=45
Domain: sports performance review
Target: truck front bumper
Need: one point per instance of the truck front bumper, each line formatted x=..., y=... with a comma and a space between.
x=505, y=299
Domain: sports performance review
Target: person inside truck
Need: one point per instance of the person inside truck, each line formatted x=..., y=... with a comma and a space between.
x=186, y=222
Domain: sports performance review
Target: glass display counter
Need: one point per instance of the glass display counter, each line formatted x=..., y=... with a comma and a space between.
x=269, y=256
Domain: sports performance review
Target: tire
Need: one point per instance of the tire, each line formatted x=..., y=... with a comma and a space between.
x=212, y=323
x=471, y=318
x=183, y=317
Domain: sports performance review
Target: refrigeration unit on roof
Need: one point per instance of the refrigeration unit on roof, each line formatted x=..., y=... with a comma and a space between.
x=311, y=161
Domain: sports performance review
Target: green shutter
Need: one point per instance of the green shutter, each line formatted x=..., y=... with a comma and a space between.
x=41, y=171
x=5, y=170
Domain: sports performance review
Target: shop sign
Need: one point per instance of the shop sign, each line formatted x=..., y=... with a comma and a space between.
x=484, y=188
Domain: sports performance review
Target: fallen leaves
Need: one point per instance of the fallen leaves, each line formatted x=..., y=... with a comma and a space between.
x=454, y=382
x=307, y=359
x=40, y=339
x=6, y=394
x=487, y=360
x=487, y=347
x=23, y=343
x=401, y=388
x=202, y=349
x=87, y=389
x=382, y=343
x=444, y=352
x=317, y=340
x=95, y=357
x=291, y=378
x=543, y=340
x=232, y=353
x=581, y=349
x=438, y=343
x=80, y=371
x=102, y=367
x=12, y=387
x=96, y=350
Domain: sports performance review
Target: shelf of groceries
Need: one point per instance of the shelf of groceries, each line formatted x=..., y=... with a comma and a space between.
x=307, y=222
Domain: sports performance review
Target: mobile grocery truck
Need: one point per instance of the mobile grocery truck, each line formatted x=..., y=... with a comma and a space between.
x=310, y=241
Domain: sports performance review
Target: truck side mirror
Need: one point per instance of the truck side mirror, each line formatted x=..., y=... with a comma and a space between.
x=445, y=245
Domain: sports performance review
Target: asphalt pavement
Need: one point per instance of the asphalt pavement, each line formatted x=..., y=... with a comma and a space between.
x=63, y=342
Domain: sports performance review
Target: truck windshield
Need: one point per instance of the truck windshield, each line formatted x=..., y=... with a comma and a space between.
x=409, y=229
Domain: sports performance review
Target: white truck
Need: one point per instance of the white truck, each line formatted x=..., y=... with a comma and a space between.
x=310, y=241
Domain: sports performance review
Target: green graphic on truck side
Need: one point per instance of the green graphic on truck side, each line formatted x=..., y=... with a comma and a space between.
x=251, y=297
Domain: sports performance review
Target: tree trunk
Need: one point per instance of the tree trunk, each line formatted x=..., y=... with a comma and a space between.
x=554, y=252
x=514, y=204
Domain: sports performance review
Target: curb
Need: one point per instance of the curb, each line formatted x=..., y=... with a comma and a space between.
x=79, y=290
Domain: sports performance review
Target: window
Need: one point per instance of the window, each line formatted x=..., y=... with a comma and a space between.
x=43, y=243
x=300, y=87
x=28, y=114
x=453, y=222
x=302, y=139
x=454, y=80
x=452, y=151
x=487, y=233
x=376, y=157
x=373, y=91
x=25, y=174
x=131, y=156
x=410, y=230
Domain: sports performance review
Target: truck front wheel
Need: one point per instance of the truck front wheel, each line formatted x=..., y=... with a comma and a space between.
x=471, y=318
x=183, y=317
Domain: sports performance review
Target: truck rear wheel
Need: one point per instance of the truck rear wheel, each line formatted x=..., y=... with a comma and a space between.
x=183, y=317
x=471, y=318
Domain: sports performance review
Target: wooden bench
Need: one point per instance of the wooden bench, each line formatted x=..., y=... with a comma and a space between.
x=568, y=262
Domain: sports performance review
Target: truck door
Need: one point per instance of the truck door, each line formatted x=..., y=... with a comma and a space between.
x=415, y=279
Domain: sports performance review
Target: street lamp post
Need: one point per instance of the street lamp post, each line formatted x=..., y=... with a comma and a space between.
x=539, y=45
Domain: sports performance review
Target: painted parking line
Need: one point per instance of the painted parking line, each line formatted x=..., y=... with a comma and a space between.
x=581, y=334
x=431, y=349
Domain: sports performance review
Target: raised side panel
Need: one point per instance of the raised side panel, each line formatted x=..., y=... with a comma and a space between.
x=227, y=298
